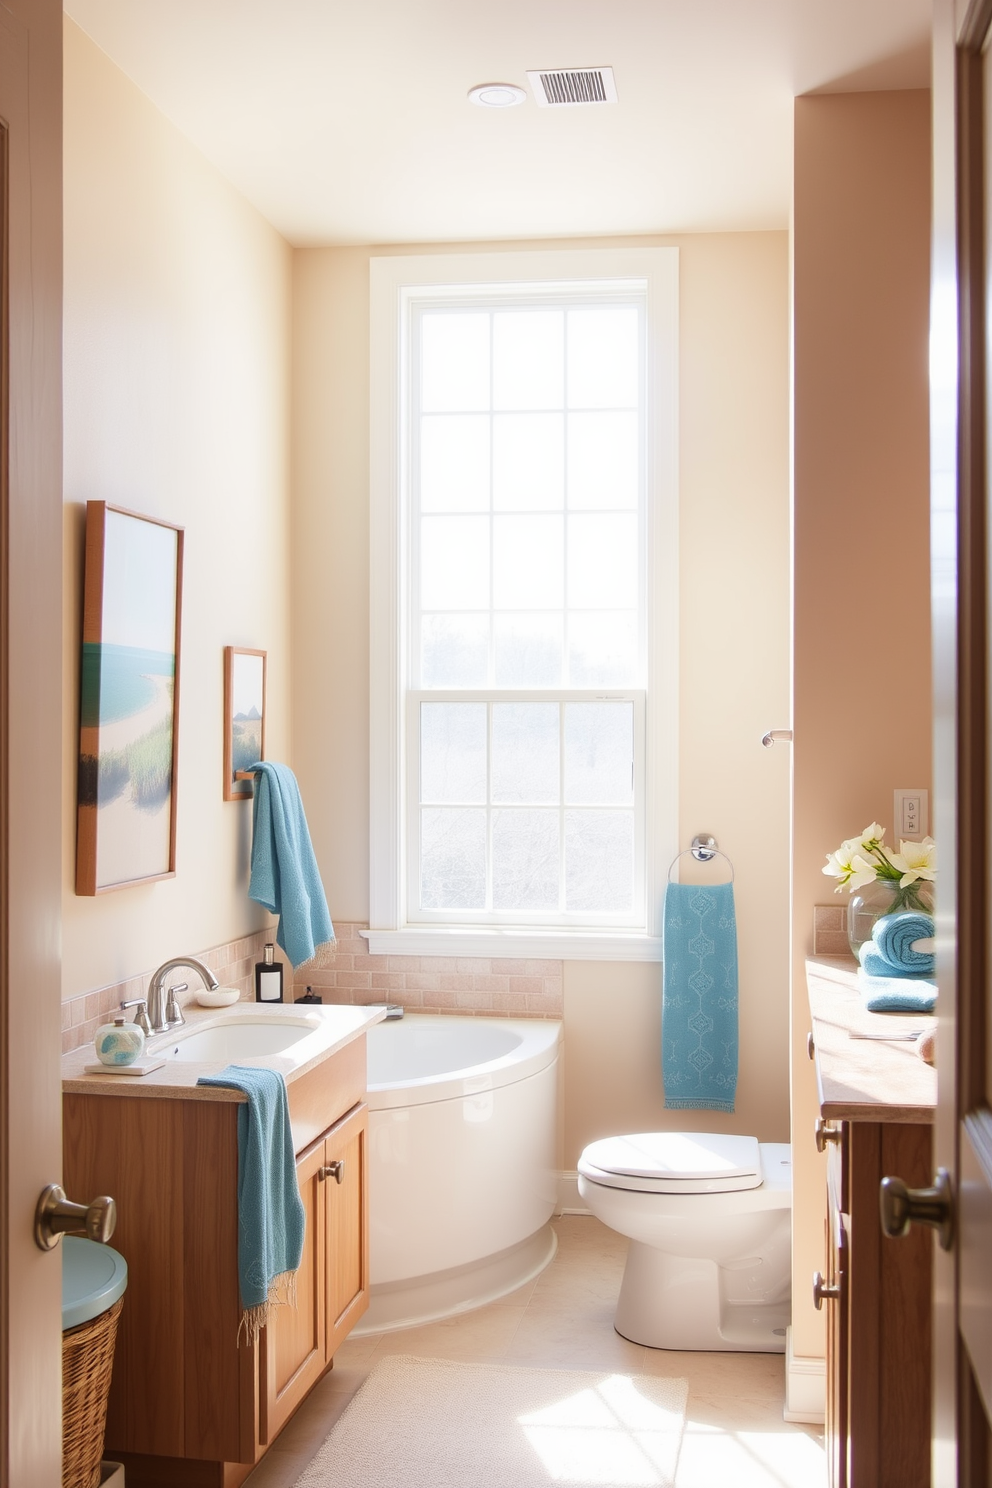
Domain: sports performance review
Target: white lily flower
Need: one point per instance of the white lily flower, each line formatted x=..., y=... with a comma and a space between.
x=916, y=860
x=850, y=867
x=871, y=838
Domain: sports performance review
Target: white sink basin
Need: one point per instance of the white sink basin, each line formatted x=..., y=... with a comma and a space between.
x=237, y=1038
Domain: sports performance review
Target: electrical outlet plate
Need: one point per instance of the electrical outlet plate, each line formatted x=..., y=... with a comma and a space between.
x=910, y=815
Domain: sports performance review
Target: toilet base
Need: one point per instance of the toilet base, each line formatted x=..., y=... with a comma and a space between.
x=675, y=1302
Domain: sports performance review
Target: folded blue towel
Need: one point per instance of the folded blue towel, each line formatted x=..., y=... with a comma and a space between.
x=699, y=1005
x=897, y=995
x=271, y=1217
x=894, y=935
x=875, y=964
x=284, y=874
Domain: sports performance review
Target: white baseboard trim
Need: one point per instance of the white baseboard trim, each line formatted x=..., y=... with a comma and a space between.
x=805, y=1386
x=569, y=1201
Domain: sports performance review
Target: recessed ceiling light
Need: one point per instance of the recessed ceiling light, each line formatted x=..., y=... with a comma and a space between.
x=497, y=95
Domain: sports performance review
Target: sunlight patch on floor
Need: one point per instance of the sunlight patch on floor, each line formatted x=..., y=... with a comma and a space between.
x=607, y=1434
x=750, y=1459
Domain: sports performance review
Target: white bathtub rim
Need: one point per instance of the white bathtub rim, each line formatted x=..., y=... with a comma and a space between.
x=419, y=1300
x=542, y=1039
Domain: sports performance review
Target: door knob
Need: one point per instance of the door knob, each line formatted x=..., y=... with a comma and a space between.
x=56, y=1216
x=824, y=1132
x=333, y=1170
x=823, y=1292
x=901, y=1207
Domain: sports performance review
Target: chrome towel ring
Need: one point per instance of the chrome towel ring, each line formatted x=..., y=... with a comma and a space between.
x=704, y=850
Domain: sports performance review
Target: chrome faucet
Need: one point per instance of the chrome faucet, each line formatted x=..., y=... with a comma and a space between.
x=163, y=1014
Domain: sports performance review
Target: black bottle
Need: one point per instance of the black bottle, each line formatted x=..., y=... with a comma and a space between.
x=268, y=977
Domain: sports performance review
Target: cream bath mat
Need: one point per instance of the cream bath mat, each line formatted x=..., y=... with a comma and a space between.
x=430, y=1423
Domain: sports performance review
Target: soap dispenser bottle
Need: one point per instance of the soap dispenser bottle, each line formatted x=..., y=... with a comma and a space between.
x=268, y=977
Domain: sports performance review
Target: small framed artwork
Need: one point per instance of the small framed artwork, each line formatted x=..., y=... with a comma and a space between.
x=129, y=700
x=244, y=720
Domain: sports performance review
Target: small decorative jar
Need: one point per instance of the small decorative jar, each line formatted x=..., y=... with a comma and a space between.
x=119, y=1042
x=883, y=896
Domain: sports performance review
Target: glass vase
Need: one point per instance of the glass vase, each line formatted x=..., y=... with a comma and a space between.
x=883, y=896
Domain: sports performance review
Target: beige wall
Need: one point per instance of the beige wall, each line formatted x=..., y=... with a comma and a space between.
x=734, y=649
x=177, y=298
x=862, y=639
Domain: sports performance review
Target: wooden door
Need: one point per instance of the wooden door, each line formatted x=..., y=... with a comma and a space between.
x=30, y=731
x=838, y=1323
x=960, y=465
x=346, y=1198
x=294, y=1344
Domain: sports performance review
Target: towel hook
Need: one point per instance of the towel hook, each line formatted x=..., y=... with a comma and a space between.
x=776, y=736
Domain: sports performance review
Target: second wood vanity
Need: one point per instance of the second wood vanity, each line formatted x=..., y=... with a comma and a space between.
x=190, y=1404
x=877, y=1100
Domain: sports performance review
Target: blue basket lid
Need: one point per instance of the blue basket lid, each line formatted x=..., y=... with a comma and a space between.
x=93, y=1278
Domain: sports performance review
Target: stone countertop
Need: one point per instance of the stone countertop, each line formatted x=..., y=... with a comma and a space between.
x=331, y=1028
x=865, y=1079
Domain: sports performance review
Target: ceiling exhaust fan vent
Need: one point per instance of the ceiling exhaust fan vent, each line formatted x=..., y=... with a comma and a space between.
x=566, y=87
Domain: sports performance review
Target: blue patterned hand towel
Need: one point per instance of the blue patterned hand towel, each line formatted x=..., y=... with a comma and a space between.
x=284, y=874
x=271, y=1217
x=699, y=1007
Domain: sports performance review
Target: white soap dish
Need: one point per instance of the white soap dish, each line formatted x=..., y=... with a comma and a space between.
x=219, y=997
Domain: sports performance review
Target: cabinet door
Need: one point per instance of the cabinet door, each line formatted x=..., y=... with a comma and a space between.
x=293, y=1345
x=838, y=1341
x=347, y=1220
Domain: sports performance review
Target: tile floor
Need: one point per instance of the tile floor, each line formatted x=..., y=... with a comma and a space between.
x=735, y=1433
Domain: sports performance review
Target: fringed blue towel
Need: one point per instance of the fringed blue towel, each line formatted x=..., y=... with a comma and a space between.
x=699, y=1007
x=271, y=1217
x=284, y=875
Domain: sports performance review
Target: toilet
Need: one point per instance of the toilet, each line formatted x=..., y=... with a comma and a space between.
x=709, y=1220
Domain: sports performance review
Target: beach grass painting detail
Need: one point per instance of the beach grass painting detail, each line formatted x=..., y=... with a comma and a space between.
x=128, y=736
x=244, y=719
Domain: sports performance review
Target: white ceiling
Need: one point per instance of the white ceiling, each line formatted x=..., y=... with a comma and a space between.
x=346, y=121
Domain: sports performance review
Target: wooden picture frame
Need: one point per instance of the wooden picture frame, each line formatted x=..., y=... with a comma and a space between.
x=128, y=700
x=244, y=719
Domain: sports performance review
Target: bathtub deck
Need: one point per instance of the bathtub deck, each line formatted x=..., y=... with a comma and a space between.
x=735, y=1431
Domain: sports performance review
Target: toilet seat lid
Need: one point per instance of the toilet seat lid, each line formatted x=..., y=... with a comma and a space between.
x=688, y=1162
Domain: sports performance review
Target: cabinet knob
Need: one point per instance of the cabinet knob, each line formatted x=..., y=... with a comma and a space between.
x=333, y=1170
x=901, y=1207
x=824, y=1132
x=810, y=1046
x=821, y=1291
x=56, y=1216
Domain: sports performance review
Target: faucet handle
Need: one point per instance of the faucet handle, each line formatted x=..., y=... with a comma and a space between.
x=173, y=1012
x=141, y=1017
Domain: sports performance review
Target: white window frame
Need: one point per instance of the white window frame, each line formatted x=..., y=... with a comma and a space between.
x=396, y=284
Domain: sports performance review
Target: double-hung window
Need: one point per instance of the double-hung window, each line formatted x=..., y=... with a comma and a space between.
x=524, y=560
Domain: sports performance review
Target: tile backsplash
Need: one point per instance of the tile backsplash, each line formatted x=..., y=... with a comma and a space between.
x=434, y=984
x=468, y=985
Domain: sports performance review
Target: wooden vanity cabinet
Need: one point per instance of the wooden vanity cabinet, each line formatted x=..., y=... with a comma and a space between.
x=332, y=1289
x=189, y=1404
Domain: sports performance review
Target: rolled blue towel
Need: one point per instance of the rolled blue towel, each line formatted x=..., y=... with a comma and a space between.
x=881, y=994
x=875, y=964
x=894, y=935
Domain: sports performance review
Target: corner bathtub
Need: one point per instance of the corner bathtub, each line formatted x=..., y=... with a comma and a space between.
x=462, y=1162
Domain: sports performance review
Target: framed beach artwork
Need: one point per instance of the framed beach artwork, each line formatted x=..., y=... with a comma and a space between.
x=244, y=720
x=129, y=697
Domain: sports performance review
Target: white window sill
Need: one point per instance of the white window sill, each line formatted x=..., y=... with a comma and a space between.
x=551, y=945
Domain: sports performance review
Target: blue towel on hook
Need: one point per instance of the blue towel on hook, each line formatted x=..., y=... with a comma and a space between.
x=284, y=874
x=699, y=1005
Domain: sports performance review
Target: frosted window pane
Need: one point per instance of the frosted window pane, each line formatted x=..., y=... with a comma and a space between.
x=452, y=859
x=527, y=563
x=528, y=461
x=525, y=752
x=602, y=649
x=453, y=752
x=603, y=358
x=454, y=651
x=603, y=465
x=528, y=650
x=454, y=463
x=525, y=860
x=602, y=562
x=528, y=361
x=454, y=563
x=599, y=860
x=599, y=753
x=454, y=362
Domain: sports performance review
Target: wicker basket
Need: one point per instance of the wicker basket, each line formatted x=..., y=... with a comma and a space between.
x=87, y=1361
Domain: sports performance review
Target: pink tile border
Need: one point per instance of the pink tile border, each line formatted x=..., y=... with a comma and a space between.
x=469, y=985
